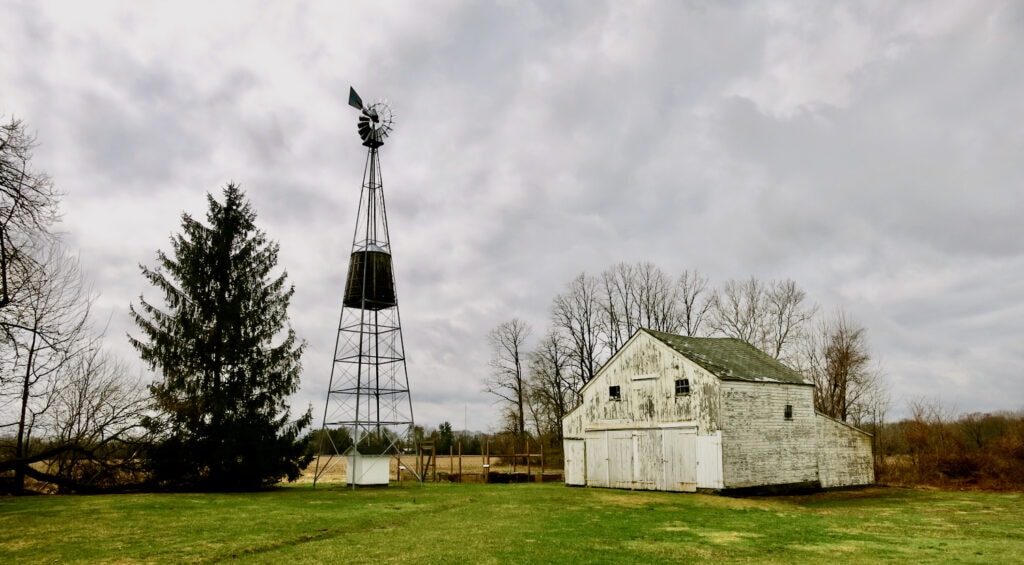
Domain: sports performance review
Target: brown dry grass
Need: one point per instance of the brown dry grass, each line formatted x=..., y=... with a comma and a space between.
x=471, y=466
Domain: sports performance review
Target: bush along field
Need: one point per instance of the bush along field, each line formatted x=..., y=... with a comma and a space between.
x=523, y=523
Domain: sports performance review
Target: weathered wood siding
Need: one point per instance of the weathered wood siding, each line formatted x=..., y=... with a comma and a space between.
x=645, y=372
x=572, y=425
x=760, y=446
x=844, y=454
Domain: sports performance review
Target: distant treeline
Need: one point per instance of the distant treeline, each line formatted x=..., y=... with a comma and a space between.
x=446, y=441
x=932, y=448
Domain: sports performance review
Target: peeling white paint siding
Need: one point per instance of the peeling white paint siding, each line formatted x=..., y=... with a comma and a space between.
x=572, y=425
x=759, y=445
x=646, y=373
x=844, y=454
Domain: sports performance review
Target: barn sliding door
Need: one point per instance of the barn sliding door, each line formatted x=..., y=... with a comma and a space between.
x=647, y=464
x=645, y=458
x=575, y=462
x=596, y=453
x=679, y=446
x=620, y=458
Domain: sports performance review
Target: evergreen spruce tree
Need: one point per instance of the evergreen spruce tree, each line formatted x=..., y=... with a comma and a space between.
x=227, y=357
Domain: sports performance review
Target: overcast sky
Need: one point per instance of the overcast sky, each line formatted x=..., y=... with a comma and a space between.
x=873, y=152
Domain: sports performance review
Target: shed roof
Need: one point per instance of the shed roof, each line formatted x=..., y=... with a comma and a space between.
x=730, y=359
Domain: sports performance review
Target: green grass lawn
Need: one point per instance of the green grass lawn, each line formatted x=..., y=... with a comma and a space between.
x=546, y=523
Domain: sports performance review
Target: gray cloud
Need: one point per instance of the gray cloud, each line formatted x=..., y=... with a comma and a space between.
x=869, y=152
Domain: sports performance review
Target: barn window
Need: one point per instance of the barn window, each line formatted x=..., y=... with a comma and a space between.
x=682, y=387
x=614, y=392
x=789, y=412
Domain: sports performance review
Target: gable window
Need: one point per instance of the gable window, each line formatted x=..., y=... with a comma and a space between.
x=682, y=387
x=788, y=412
x=614, y=392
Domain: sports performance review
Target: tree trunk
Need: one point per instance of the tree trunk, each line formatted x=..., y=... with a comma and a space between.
x=21, y=448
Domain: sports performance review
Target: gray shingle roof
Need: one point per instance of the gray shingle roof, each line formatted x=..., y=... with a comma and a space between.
x=730, y=359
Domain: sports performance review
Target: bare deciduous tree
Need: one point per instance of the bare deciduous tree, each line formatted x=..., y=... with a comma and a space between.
x=847, y=385
x=788, y=317
x=656, y=299
x=67, y=407
x=618, y=304
x=768, y=316
x=926, y=434
x=635, y=296
x=43, y=331
x=508, y=375
x=576, y=313
x=97, y=415
x=694, y=301
x=737, y=310
x=552, y=392
x=28, y=204
x=61, y=410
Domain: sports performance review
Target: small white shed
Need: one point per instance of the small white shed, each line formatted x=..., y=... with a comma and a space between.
x=678, y=413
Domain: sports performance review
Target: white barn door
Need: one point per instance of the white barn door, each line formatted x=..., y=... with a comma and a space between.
x=709, y=458
x=620, y=458
x=647, y=459
x=575, y=462
x=679, y=447
x=596, y=453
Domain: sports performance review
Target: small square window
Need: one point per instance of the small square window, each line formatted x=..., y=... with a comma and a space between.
x=789, y=412
x=682, y=387
x=614, y=392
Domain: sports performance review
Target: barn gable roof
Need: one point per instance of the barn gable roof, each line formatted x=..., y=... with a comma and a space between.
x=730, y=359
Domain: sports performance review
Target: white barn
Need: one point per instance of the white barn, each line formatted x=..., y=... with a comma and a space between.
x=677, y=413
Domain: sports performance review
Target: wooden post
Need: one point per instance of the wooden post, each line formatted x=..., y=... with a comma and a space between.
x=529, y=469
x=460, y=461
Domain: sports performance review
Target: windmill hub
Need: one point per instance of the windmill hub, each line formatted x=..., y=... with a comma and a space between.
x=375, y=121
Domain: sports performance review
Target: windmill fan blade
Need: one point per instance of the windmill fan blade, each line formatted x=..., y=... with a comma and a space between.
x=354, y=100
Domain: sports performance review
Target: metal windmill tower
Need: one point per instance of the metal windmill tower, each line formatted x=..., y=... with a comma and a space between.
x=368, y=394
